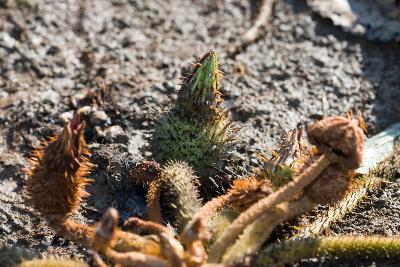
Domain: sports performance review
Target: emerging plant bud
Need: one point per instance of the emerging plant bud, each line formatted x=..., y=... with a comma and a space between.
x=197, y=130
x=146, y=172
x=200, y=89
x=246, y=192
x=179, y=198
x=57, y=175
x=290, y=157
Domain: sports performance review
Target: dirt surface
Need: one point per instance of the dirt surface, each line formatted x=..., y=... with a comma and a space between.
x=55, y=52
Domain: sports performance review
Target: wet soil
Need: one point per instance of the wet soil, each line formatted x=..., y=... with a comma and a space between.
x=54, y=53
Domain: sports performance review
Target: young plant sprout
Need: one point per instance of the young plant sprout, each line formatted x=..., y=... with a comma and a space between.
x=196, y=130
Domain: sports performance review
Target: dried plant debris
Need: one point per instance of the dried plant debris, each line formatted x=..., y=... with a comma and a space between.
x=330, y=163
x=172, y=194
x=265, y=11
x=56, y=190
x=58, y=172
x=124, y=248
x=377, y=20
x=383, y=167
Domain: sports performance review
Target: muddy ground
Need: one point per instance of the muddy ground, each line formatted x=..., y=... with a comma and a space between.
x=54, y=52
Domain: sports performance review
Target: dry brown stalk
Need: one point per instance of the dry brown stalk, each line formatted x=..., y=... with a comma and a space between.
x=106, y=239
x=236, y=196
x=244, y=193
x=264, y=205
x=155, y=228
x=58, y=171
x=256, y=233
x=193, y=238
x=252, y=34
x=133, y=259
x=338, y=137
x=56, y=186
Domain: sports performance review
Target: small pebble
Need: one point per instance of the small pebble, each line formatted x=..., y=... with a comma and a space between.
x=112, y=134
x=85, y=110
x=66, y=116
x=100, y=118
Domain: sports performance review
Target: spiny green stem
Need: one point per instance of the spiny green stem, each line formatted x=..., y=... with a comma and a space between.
x=197, y=129
x=53, y=262
x=179, y=197
x=201, y=88
x=347, y=247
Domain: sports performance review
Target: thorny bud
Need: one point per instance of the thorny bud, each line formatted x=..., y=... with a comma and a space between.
x=245, y=192
x=58, y=170
x=285, y=161
x=201, y=87
x=197, y=129
x=179, y=197
x=146, y=172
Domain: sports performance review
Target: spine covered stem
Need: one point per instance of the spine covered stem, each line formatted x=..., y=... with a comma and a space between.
x=347, y=247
